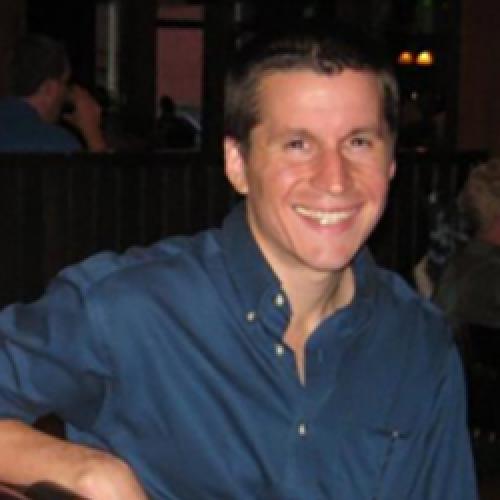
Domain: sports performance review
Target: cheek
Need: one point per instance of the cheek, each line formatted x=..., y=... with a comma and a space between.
x=276, y=182
x=374, y=185
x=286, y=178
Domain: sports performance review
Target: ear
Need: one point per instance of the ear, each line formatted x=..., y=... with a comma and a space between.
x=48, y=88
x=392, y=169
x=235, y=166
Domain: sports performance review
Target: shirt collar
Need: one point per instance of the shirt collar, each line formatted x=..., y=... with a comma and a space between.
x=252, y=275
x=357, y=314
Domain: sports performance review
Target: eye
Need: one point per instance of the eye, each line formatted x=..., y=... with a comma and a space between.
x=360, y=141
x=296, y=144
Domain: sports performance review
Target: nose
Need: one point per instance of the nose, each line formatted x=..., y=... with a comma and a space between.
x=331, y=173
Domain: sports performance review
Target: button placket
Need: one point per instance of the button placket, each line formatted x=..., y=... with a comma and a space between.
x=251, y=316
x=279, y=299
x=302, y=429
x=279, y=350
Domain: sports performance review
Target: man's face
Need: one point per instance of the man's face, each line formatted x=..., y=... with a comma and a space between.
x=317, y=170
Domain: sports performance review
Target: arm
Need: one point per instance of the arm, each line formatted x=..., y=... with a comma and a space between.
x=29, y=456
x=447, y=469
x=41, y=350
x=87, y=119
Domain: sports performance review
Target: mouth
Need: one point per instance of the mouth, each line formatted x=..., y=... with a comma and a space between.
x=325, y=218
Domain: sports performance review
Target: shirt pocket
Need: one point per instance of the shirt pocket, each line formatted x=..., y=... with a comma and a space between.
x=365, y=454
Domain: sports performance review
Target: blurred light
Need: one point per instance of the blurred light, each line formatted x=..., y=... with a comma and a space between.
x=405, y=57
x=425, y=58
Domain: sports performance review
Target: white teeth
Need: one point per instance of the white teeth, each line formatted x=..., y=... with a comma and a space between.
x=324, y=218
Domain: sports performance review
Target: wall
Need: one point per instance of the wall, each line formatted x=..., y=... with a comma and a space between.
x=12, y=24
x=71, y=22
x=179, y=64
x=479, y=81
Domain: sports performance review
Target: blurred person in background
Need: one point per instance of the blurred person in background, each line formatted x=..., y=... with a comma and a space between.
x=40, y=94
x=469, y=287
x=173, y=130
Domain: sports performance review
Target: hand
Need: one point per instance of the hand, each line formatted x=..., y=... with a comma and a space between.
x=31, y=457
x=104, y=477
x=87, y=112
x=86, y=118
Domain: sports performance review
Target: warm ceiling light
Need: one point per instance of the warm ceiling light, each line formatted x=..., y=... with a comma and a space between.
x=425, y=58
x=405, y=57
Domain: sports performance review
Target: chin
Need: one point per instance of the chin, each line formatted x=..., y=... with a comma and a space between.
x=330, y=264
x=334, y=257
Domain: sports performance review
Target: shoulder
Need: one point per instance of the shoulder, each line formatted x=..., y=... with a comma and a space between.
x=22, y=130
x=13, y=107
x=417, y=347
x=417, y=319
x=175, y=258
x=59, y=140
x=403, y=352
x=404, y=327
x=393, y=297
x=148, y=291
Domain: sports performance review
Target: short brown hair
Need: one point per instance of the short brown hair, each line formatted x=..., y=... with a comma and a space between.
x=35, y=59
x=325, y=53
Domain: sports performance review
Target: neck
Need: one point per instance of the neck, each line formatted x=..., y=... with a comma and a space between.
x=313, y=298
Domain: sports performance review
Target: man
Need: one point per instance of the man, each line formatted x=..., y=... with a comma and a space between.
x=270, y=358
x=173, y=130
x=469, y=289
x=38, y=76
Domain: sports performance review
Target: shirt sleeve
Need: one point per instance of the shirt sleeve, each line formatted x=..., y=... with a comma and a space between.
x=52, y=357
x=447, y=469
x=51, y=360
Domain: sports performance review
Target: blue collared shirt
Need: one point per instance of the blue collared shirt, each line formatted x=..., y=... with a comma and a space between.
x=173, y=358
x=23, y=131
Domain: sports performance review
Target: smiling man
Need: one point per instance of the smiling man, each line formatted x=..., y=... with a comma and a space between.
x=315, y=176
x=268, y=359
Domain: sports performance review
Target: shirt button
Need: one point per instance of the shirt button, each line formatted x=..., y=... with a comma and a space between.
x=279, y=300
x=251, y=315
x=302, y=429
x=279, y=350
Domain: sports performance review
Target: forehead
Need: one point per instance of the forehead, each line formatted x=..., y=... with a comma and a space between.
x=323, y=104
x=309, y=91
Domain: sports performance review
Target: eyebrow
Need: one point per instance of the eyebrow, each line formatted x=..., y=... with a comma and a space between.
x=294, y=131
x=376, y=130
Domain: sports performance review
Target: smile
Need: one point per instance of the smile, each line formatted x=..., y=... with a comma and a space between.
x=323, y=217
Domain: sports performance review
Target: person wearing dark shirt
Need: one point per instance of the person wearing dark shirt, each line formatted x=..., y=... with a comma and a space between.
x=172, y=130
x=270, y=358
x=38, y=76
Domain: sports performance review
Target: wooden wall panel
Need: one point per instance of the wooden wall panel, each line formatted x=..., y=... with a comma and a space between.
x=12, y=24
x=479, y=84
